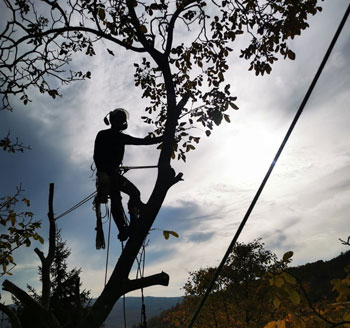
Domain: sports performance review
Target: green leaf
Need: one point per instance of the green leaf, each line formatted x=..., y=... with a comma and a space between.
x=143, y=29
x=281, y=324
x=276, y=302
x=294, y=296
x=167, y=233
x=289, y=278
x=26, y=201
x=291, y=54
x=287, y=256
x=279, y=282
x=271, y=324
x=174, y=234
x=102, y=13
x=346, y=317
x=53, y=93
x=298, y=322
x=12, y=218
x=233, y=106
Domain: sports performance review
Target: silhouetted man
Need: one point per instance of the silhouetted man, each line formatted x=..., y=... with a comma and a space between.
x=108, y=156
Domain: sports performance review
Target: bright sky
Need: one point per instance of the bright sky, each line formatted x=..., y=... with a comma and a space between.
x=305, y=205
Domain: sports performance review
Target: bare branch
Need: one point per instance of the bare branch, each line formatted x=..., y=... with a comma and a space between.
x=13, y=318
x=161, y=279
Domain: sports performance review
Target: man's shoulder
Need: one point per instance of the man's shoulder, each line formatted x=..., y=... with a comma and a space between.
x=104, y=133
x=111, y=134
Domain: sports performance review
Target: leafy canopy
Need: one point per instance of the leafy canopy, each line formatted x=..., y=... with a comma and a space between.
x=184, y=47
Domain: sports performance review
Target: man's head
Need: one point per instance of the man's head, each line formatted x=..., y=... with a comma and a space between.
x=118, y=119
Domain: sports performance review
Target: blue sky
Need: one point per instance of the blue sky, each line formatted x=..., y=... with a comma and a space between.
x=305, y=206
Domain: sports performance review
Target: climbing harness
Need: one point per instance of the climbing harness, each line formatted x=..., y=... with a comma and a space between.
x=103, y=186
x=100, y=239
x=262, y=185
x=98, y=200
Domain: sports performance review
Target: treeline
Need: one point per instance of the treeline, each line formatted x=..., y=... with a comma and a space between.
x=258, y=290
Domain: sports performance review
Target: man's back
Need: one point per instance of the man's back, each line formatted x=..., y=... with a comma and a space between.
x=109, y=149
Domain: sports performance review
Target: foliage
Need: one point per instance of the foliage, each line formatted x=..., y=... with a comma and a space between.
x=257, y=290
x=240, y=297
x=12, y=146
x=20, y=226
x=291, y=293
x=40, y=38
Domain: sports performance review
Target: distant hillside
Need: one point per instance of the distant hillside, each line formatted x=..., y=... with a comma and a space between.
x=154, y=306
x=319, y=274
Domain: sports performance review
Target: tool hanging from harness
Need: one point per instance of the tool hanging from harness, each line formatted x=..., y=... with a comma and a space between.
x=104, y=186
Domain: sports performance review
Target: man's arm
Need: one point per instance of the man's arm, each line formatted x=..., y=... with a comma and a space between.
x=129, y=140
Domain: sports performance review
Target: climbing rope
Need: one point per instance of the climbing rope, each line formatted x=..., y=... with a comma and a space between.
x=108, y=242
x=140, y=273
x=256, y=197
x=85, y=200
x=127, y=168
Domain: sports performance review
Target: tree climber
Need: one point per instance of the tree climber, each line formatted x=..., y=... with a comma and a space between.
x=108, y=156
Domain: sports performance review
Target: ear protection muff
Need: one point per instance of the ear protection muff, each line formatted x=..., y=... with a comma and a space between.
x=107, y=121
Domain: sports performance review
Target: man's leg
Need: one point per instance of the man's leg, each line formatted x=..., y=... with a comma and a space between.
x=134, y=203
x=117, y=208
x=118, y=215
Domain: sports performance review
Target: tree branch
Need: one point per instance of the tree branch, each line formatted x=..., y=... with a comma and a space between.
x=40, y=254
x=181, y=104
x=156, y=55
x=61, y=30
x=55, y=5
x=171, y=26
x=14, y=320
x=161, y=279
x=27, y=300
